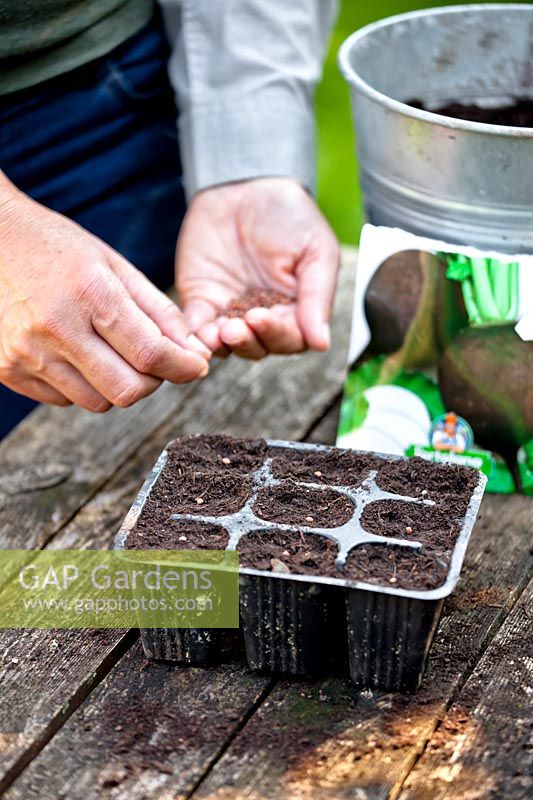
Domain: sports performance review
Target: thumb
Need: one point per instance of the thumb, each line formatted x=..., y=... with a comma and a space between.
x=317, y=278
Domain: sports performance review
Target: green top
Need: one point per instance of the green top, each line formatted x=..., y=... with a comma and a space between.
x=40, y=39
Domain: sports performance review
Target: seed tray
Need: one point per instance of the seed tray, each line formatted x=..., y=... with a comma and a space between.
x=299, y=624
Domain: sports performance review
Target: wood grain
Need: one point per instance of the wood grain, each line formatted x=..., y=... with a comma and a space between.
x=161, y=732
x=44, y=676
x=473, y=753
x=306, y=740
x=145, y=728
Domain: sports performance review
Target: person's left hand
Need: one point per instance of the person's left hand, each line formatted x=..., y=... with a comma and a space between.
x=266, y=233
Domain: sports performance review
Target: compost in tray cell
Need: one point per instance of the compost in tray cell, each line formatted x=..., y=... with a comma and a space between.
x=432, y=526
x=288, y=552
x=427, y=480
x=212, y=454
x=300, y=505
x=383, y=564
x=334, y=467
x=156, y=531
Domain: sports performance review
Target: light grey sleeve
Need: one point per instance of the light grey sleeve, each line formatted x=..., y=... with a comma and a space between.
x=244, y=73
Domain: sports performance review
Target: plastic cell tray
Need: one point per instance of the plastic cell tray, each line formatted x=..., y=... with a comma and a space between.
x=299, y=624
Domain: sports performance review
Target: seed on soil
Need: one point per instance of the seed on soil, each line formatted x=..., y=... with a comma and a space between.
x=424, y=492
x=279, y=566
x=182, y=538
x=309, y=519
x=200, y=501
x=226, y=460
x=393, y=580
x=408, y=529
x=317, y=473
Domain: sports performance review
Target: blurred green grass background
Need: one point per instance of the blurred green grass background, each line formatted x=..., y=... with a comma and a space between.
x=338, y=189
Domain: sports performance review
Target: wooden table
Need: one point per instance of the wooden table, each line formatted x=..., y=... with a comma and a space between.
x=83, y=715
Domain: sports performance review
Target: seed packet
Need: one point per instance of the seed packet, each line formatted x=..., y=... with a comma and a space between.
x=441, y=356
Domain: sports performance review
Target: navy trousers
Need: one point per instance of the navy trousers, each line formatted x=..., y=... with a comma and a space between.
x=100, y=146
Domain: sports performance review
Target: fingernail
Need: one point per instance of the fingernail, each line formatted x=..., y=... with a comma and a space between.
x=194, y=343
x=326, y=334
x=204, y=372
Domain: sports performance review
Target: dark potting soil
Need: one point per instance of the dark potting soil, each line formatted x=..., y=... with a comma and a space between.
x=219, y=454
x=298, y=505
x=336, y=468
x=444, y=483
x=208, y=475
x=256, y=298
x=301, y=553
x=212, y=476
x=155, y=532
x=433, y=526
x=395, y=566
x=519, y=113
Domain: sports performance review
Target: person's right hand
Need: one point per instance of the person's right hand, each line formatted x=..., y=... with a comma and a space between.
x=78, y=323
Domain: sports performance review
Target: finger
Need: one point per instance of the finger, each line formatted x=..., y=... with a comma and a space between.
x=210, y=335
x=66, y=380
x=277, y=331
x=317, y=278
x=110, y=374
x=37, y=390
x=157, y=306
x=137, y=338
x=240, y=338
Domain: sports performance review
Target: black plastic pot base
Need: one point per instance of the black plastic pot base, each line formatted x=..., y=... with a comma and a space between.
x=196, y=647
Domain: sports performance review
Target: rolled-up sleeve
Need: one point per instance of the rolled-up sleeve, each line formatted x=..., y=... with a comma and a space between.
x=244, y=73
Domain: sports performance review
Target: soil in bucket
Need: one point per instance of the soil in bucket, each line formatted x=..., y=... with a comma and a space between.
x=519, y=113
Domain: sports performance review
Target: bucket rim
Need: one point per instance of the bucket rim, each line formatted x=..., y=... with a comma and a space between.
x=354, y=79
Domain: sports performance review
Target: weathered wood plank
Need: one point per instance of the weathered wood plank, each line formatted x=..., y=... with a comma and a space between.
x=318, y=740
x=233, y=399
x=144, y=729
x=59, y=458
x=482, y=750
x=44, y=676
x=325, y=741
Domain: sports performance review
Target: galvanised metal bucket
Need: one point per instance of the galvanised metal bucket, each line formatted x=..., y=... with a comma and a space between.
x=461, y=181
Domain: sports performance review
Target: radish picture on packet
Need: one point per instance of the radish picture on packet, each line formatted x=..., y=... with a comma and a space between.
x=441, y=356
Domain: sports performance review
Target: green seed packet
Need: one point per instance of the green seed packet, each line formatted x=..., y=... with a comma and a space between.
x=441, y=356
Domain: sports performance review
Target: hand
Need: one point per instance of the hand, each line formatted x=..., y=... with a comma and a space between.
x=266, y=233
x=78, y=323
